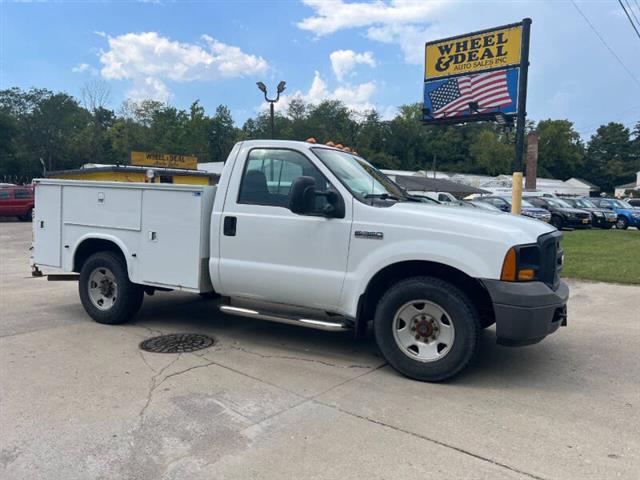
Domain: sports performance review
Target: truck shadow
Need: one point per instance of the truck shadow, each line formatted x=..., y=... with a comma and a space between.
x=495, y=365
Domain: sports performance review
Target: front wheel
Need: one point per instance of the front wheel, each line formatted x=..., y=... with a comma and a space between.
x=427, y=329
x=106, y=292
x=557, y=221
x=622, y=223
x=27, y=217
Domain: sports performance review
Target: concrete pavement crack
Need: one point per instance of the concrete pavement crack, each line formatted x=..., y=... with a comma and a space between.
x=152, y=387
x=301, y=359
x=431, y=440
x=144, y=360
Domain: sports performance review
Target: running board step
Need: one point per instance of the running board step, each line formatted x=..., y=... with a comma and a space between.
x=302, y=322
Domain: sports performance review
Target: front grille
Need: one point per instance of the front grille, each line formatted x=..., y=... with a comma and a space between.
x=584, y=215
x=551, y=256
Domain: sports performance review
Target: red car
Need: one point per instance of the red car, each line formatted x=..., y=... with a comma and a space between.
x=16, y=201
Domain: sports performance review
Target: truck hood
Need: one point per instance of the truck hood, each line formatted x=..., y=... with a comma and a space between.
x=534, y=210
x=470, y=222
x=570, y=210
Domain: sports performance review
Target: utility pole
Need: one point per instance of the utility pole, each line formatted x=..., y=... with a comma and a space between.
x=263, y=88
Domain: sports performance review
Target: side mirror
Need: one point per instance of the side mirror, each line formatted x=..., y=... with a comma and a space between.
x=302, y=199
x=302, y=195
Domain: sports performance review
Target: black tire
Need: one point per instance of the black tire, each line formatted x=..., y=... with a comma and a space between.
x=462, y=313
x=27, y=217
x=129, y=295
x=622, y=223
x=557, y=221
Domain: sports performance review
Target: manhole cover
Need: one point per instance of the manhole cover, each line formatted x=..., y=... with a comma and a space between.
x=177, y=343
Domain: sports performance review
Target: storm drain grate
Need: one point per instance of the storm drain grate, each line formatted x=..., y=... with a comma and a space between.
x=177, y=343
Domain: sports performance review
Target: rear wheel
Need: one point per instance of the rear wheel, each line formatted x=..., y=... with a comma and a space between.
x=427, y=329
x=622, y=223
x=106, y=292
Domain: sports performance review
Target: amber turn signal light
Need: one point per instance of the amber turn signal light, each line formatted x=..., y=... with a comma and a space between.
x=509, y=267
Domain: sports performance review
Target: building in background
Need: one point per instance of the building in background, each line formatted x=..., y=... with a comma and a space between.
x=629, y=189
x=501, y=184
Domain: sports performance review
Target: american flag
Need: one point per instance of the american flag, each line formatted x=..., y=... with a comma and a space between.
x=488, y=90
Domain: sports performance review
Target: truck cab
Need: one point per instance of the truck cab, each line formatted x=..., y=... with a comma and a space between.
x=316, y=236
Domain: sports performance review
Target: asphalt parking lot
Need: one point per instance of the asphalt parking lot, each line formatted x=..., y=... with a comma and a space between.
x=80, y=400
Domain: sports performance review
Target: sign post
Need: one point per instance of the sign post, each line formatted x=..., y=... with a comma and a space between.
x=481, y=76
x=516, y=193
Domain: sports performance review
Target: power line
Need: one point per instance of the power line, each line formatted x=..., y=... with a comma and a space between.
x=629, y=17
x=628, y=2
x=635, y=79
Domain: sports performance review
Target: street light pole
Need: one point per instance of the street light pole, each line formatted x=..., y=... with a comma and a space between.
x=263, y=88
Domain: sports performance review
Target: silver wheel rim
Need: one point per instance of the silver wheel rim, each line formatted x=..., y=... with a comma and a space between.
x=423, y=331
x=103, y=288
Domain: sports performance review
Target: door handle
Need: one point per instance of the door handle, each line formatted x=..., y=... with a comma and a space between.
x=230, y=224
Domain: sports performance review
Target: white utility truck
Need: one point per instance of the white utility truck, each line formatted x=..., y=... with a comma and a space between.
x=314, y=236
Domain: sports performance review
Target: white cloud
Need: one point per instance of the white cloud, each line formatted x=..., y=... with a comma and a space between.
x=85, y=68
x=355, y=97
x=149, y=87
x=150, y=60
x=403, y=22
x=333, y=16
x=344, y=61
x=81, y=68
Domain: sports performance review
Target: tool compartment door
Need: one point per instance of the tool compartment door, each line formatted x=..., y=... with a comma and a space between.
x=47, y=225
x=170, y=246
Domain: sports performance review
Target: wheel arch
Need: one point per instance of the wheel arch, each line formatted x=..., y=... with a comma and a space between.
x=89, y=245
x=398, y=271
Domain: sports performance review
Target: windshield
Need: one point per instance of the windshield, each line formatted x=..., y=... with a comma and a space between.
x=523, y=203
x=362, y=179
x=583, y=203
x=625, y=204
x=556, y=202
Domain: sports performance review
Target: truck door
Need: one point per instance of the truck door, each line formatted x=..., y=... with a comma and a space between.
x=268, y=252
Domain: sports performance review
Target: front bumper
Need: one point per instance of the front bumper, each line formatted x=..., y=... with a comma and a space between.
x=577, y=222
x=526, y=312
x=604, y=221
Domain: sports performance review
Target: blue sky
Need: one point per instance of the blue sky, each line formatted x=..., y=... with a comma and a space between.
x=366, y=54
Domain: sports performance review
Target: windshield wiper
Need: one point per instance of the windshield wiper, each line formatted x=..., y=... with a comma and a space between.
x=382, y=196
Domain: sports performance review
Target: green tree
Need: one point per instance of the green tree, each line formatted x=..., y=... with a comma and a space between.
x=491, y=153
x=609, y=159
x=560, y=149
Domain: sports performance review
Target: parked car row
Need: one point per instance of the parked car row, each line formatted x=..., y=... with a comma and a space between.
x=602, y=213
x=16, y=201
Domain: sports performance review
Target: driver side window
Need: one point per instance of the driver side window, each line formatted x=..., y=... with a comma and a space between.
x=269, y=174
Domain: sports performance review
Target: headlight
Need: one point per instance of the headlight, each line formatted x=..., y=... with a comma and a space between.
x=521, y=264
x=597, y=214
x=636, y=215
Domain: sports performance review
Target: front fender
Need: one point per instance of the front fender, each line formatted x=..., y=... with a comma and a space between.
x=483, y=262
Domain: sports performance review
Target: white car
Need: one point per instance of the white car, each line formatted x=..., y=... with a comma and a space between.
x=314, y=236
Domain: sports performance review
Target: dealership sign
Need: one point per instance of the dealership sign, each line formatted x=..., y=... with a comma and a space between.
x=165, y=160
x=475, y=76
